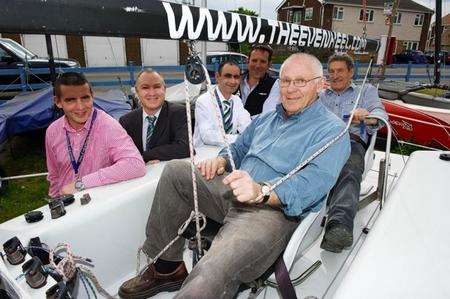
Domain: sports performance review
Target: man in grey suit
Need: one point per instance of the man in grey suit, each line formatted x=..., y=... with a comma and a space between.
x=159, y=128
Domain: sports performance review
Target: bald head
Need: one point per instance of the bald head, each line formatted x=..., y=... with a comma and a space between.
x=304, y=58
x=300, y=81
x=151, y=91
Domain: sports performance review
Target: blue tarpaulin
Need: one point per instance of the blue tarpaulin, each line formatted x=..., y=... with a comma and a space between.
x=34, y=110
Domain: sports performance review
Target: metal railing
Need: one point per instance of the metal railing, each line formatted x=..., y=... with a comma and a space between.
x=174, y=74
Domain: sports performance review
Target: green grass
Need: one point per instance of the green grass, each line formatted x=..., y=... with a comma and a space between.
x=405, y=149
x=23, y=195
x=436, y=92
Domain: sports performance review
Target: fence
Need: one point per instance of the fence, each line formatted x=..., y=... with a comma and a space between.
x=174, y=74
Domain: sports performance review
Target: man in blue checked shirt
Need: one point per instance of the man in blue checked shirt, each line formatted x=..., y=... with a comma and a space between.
x=340, y=98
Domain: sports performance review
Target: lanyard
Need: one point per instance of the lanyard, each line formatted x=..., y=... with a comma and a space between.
x=76, y=164
x=219, y=102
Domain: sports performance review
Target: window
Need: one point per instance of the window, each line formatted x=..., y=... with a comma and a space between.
x=338, y=13
x=297, y=16
x=410, y=45
x=398, y=18
x=418, y=20
x=309, y=13
x=368, y=16
x=3, y=55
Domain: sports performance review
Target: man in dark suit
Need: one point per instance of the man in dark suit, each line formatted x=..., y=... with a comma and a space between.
x=159, y=128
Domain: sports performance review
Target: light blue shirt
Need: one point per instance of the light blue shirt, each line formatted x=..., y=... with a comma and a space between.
x=272, y=145
x=341, y=104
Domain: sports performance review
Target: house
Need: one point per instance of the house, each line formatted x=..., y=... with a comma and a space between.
x=410, y=26
x=445, y=37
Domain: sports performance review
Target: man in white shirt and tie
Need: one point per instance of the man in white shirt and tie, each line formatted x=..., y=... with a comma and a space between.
x=228, y=106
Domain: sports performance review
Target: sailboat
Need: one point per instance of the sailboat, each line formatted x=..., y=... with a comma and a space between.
x=399, y=249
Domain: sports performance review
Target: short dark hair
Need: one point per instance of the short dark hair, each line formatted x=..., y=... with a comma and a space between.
x=342, y=57
x=230, y=62
x=262, y=47
x=70, y=79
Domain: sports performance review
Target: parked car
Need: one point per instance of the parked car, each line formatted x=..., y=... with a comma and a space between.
x=413, y=56
x=445, y=56
x=216, y=58
x=13, y=55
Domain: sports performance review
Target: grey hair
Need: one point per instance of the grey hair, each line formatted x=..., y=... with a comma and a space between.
x=316, y=63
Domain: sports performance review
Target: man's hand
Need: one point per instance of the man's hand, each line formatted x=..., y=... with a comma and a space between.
x=360, y=115
x=244, y=188
x=68, y=189
x=209, y=168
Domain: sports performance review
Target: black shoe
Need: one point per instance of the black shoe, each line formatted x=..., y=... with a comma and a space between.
x=337, y=237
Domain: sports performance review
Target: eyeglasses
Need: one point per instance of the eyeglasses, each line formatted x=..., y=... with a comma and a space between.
x=296, y=82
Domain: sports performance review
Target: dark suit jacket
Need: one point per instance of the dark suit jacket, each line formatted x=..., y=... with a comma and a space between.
x=170, y=137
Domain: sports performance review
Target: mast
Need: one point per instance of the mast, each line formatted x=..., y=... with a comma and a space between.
x=51, y=60
x=437, y=43
x=388, y=41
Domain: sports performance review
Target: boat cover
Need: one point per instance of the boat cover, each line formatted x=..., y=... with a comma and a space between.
x=35, y=110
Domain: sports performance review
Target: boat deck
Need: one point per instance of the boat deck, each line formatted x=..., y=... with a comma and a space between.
x=111, y=227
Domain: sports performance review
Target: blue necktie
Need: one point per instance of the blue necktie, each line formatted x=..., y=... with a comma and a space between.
x=151, y=127
x=227, y=116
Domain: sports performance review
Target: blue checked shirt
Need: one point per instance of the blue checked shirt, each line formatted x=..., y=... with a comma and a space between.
x=342, y=105
x=272, y=145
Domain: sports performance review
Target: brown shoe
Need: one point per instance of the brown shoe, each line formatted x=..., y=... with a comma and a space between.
x=150, y=283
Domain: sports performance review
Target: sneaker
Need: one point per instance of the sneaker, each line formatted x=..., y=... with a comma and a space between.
x=150, y=282
x=337, y=237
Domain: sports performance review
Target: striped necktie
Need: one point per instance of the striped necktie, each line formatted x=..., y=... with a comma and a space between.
x=151, y=127
x=227, y=116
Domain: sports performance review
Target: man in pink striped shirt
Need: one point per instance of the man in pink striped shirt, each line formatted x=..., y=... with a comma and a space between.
x=86, y=147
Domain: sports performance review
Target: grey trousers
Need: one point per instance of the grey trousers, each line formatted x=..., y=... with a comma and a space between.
x=249, y=242
x=344, y=196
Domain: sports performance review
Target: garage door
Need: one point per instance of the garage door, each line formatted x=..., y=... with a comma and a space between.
x=36, y=44
x=104, y=51
x=159, y=52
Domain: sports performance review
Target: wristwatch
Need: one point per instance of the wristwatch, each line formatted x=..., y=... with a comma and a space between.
x=79, y=185
x=265, y=190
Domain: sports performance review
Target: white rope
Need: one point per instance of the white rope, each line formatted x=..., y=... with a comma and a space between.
x=181, y=230
x=191, y=155
x=67, y=266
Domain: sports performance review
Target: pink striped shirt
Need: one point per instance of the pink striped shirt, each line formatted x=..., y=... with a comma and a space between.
x=110, y=156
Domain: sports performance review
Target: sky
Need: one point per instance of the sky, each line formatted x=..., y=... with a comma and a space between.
x=268, y=6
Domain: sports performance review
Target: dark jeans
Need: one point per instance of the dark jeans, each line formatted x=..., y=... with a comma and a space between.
x=249, y=242
x=344, y=197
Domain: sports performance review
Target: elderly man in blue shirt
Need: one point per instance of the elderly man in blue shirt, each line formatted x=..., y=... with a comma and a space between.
x=256, y=229
x=340, y=98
